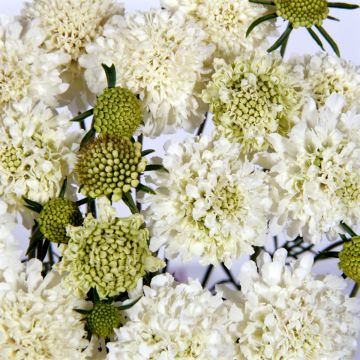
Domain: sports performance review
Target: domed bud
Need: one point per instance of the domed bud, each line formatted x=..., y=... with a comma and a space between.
x=305, y=13
x=109, y=165
x=103, y=319
x=350, y=258
x=55, y=216
x=117, y=111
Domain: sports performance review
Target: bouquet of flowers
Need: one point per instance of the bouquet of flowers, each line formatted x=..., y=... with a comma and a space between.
x=268, y=172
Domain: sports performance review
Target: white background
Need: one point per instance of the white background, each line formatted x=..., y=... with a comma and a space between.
x=346, y=33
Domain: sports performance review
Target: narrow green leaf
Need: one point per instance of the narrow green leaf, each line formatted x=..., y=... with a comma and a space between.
x=329, y=39
x=35, y=238
x=63, y=189
x=129, y=202
x=83, y=311
x=333, y=18
x=340, y=5
x=128, y=306
x=281, y=39
x=262, y=2
x=33, y=205
x=96, y=297
x=88, y=136
x=82, y=116
x=144, y=188
x=348, y=229
x=316, y=38
x=259, y=21
x=283, y=46
x=343, y=238
x=82, y=201
x=147, y=152
x=44, y=250
x=110, y=75
x=155, y=167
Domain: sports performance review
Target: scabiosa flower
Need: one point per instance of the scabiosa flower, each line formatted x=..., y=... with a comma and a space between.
x=55, y=215
x=326, y=74
x=37, y=151
x=117, y=111
x=226, y=22
x=109, y=165
x=254, y=96
x=175, y=321
x=37, y=317
x=349, y=258
x=209, y=204
x=110, y=254
x=290, y=314
x=314, y=173
x=161, y=57
x=25, y=69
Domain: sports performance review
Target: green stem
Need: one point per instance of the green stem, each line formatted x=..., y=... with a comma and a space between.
x=202, y=126
x=208, y=272
x=354, y=290
x=348, y=229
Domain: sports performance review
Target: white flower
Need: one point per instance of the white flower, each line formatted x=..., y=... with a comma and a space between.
x=210, y=204
x=255, y=95
x=161, y=58
x=37, y=151
x=289, y=314
x=327, y=74
x=226, y=23
x=25, y=69
x=37, y=317
x=175, y=321
x=314, y=173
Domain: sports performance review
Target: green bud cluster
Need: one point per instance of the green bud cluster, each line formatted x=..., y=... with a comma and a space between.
x=304, y=13
x=350, y=258
x=9, y=159
x=103, y=319
x=117, y=111
x=55, y=216
x=109, y=165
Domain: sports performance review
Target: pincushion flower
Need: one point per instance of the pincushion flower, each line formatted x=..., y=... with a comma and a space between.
x=25, y=69
x=36, y=151
x=326, y=74
x=314, y=173
x=69, y=26
x=255, y=95
x=37, y=320
x=159, y=56
x=290, y=314
x=209, y=204
x=175, y=321
x=109, y=254
x=226, y=22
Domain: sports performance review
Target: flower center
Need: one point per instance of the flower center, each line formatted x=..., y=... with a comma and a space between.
x=304, y=13
x=10, y=159
x=349, y=190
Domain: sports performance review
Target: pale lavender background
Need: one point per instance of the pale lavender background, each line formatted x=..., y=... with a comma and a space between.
x=346, y=33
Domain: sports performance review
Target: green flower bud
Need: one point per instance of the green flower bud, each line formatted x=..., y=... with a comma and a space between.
x=304, y=13
x=117, y=111
x=103, y=319
x=350, y=258
x=55, y=216
x=109, y=165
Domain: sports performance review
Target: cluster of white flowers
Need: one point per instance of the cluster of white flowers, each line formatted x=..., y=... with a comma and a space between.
x=209, y=204
x=175, y=321
x=283, y=159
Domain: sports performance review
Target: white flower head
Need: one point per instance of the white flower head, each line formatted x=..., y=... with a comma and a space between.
x=175, y=321
x=159, y=56
x=226, y=23
x=25, y=69
x=209, y=204
x=37, y=151
x=314, y=173
x=253, y=96
x=327, y=74
x=37, y=317
x=289, y=314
